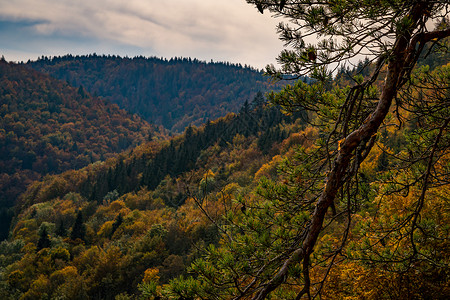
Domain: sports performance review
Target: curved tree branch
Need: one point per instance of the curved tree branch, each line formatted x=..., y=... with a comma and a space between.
x=398, y=65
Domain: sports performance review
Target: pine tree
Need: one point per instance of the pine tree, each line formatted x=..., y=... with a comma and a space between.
x=275, y=248
x=61, y=230
x=117, y=222
x=78, y=229
x=44, y=240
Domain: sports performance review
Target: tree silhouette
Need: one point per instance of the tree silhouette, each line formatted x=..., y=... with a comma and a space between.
x=61, y=230
x=44, y=240
x=78, y=229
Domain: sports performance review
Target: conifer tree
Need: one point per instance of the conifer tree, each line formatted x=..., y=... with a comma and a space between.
x=44, y=240
x=272, y=249
x=61, y=230
x=78, y=229
x=117, y=222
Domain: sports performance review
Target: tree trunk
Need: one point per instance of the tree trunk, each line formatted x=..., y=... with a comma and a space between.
x=396, y=69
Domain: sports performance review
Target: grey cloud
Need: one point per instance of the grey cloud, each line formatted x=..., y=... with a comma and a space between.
x=207, y=29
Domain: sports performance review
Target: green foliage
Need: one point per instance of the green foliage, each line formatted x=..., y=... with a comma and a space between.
x=47, y=127
x=289, y=236
x=173, y=93
x=226, y=209
x=119, y=228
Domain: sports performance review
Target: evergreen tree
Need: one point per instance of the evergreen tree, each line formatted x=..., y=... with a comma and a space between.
x=44, y=240
x=117, y=222
x=5, y=220
x=275, y=248
x=61, y=230
x=78, y=229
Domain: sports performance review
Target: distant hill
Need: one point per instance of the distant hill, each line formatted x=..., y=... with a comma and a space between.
x=174, y=93
x=47, y=127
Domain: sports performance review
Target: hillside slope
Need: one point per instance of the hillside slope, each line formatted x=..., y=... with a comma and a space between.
x=47, y=127
x=173, y=93
x=137, y=212
x=215, y=199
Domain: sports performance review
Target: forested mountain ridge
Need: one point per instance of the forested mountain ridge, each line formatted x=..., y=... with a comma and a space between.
x=137, y=224
x=47, y=127
x=173, y=93
x=149, y=164
x=137, y=212
x=351, y=204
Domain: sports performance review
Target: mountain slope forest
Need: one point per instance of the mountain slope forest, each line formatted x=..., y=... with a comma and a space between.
x=97, y=232
x=48, y=127
x=138, y=225
x=338, y=188
x=174, y=93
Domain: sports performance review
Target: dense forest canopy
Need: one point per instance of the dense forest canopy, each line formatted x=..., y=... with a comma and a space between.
x=47, y=127
x=174, y=93
x=333, y=189
x=113, y=227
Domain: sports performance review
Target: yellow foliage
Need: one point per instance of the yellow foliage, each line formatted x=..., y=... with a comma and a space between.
x=142, y=200
x=106, y=229
x=65, y=207
x=60, y=253
x=209, y=175
x=39, y=289
x=26, y=230
x=136, y=228
x=87, y=257
x=116, y=206
x=69, y=284
x=113, y=209
x=305, y=138
x=57, y=185
x=269, y=168
x=151, y=275
x=227, y=193
x=61, y=276
x=191, y=215
x=238, y=139
x=370, y=164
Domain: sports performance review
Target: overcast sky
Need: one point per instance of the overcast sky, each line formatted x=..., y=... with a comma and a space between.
x=221, y=30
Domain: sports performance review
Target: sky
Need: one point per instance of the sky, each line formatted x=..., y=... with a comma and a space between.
x=218, y=30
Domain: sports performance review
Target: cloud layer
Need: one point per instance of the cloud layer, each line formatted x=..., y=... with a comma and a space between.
x=222, y=30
